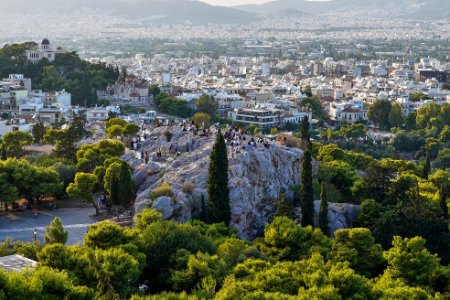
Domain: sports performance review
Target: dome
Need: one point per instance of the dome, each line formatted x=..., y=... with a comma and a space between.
x=45, y=42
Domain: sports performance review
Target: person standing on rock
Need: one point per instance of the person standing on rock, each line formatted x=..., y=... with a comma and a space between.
x=146, y=157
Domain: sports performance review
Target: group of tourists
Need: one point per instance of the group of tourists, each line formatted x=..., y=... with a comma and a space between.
x=195, y=129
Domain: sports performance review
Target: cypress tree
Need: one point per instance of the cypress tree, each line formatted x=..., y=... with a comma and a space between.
x=443, y=201
x=323, y=214
x=203, y=215
x=427, y=167
x=55, y=233
x=306, y=190
x=114, y=198
x=125, y=190
x=218, y=208
x=305, y=132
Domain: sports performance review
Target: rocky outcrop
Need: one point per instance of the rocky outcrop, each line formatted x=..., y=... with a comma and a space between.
x=257, y=175
x=340, y=215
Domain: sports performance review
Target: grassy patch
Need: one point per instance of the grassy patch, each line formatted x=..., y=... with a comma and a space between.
x=162, y=190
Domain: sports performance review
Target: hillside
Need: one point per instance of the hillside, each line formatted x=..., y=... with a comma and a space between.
x=257, y=176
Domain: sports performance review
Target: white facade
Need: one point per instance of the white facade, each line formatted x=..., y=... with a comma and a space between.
x=45, y=51
x=97, y=114
x=350, y=112
x=296, y=116
x=229, y=101
x=14, y=125
x=257, y=116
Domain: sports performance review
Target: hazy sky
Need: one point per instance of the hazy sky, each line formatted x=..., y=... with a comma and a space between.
x=234, y=2
x=240, y=2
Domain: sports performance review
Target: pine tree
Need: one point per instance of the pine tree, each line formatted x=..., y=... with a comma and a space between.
x=443, y=201
x=105, y=290
x=427, y=167
x=55, y=233
x=283, y=207
x=323, y=214
x=306, y=190
x=218, y=208
x=38, y=132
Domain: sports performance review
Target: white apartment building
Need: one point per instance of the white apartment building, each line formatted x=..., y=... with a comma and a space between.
x=97, y=114
x=229, y=102
x=350, y=111
x=259, y=117
x=296, y=116
x=18, y=80
x=14, y=125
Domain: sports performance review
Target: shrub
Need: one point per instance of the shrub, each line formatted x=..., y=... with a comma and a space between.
x=162, y=190
x=188, y=187
x=151, y=172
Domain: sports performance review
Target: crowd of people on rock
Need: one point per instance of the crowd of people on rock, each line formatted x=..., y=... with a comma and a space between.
x=195, y=129
x=237, y=139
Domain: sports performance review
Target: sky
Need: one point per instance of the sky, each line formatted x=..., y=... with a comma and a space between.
x=234, y=2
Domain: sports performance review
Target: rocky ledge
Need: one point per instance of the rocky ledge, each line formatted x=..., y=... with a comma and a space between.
x=257, y=175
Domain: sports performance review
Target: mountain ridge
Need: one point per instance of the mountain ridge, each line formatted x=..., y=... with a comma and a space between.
x=166, y=11
x=410, y=8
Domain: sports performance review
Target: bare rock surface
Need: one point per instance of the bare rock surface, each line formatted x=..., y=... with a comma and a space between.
x=257, y=175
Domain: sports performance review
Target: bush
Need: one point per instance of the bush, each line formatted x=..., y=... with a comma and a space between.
x=188, y=187
x=163, y=190
x=151, y=172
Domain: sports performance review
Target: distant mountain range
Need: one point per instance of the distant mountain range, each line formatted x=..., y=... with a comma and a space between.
x=197, y=12
x=165, y=11
x=434, y=9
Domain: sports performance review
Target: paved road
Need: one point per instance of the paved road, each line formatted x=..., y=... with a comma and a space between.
x=20, y=226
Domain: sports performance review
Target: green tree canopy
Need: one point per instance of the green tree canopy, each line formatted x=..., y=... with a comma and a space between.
x=83, y=186
x=207, y=104
x=15, y=141
x=55, y=233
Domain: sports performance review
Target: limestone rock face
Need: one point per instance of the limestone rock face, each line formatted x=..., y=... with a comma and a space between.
x=257, y=175
x=165, y=206
x=340, y=215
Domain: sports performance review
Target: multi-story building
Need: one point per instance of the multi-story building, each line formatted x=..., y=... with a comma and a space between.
x=259, y=117
x=349, y=111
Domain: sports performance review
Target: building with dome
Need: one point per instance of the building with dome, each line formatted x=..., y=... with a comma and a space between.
x=44, y=51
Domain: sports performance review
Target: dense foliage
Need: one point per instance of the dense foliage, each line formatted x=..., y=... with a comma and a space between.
x=173, y=106
x=68, y=71
x=199, y=261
